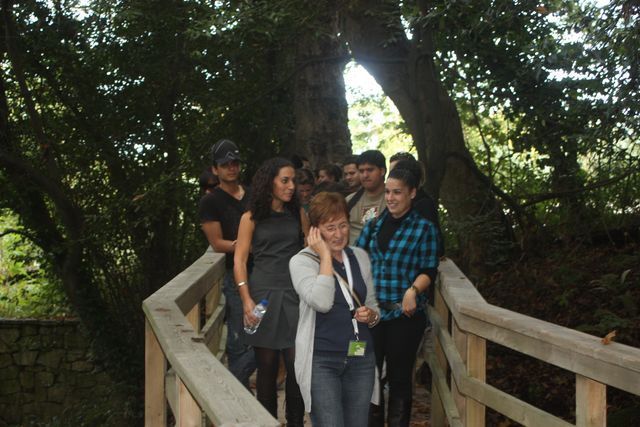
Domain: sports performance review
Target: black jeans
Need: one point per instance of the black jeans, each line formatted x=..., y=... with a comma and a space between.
x=397, y=341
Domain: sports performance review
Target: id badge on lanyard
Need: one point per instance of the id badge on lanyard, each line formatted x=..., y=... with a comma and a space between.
x=356, y=348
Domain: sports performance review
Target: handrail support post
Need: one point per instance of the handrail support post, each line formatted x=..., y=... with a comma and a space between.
x=438, y=415
x=591, y=402
x=473, y=351
x=155, y=368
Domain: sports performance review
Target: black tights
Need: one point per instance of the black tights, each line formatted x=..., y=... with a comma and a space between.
x=268, y=362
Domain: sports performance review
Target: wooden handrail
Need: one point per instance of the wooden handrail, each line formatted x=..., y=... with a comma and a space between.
x=460, y=348
x=202, y=387
x=181, y=365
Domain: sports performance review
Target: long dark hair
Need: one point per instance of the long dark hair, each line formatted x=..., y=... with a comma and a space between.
x=262, y=190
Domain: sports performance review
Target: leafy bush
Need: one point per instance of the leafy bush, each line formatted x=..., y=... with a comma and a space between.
x=25, y=289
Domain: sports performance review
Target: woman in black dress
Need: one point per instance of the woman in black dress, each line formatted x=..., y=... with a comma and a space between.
x=273, y=230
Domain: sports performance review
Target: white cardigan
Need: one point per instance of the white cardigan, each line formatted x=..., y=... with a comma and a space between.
x=316, y=293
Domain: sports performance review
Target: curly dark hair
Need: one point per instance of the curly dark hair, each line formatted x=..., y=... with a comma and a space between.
x=262, y=190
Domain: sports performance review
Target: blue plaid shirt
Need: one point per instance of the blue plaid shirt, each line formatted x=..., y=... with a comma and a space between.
x=412, y=249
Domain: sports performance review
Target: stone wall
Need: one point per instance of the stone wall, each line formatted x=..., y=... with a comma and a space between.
x=46, y=369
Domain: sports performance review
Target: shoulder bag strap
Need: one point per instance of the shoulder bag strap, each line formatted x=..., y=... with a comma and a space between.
x=341, y=281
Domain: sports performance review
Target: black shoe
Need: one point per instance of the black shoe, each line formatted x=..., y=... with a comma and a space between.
x=399, y=412
x=294, y=411
x=376, y=415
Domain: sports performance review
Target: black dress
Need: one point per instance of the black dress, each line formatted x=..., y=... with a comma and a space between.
x=275, y=240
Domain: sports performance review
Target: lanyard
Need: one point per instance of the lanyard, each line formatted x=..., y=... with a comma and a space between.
x=347, y=291
x=345, y=287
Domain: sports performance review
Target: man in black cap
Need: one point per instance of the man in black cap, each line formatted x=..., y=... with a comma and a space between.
x=220, y=213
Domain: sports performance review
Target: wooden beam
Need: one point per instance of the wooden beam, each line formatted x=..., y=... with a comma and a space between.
x=591, y=403
x=473, y=354
x=212, y=330
x=616, y=364
x=155, y=367
x=460, y=342
x=194, y=317
x=443, y=314
x=214, y=298
x=189, y=413
x=438, y=413
x=476, y=368
x=219, y=394
x=514, y=408
x=449, y=408
x=200, y=277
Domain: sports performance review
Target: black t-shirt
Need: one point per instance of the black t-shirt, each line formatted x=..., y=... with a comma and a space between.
x=221, y=207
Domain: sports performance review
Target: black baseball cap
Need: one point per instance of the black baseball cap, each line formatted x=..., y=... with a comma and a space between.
x=224, y=151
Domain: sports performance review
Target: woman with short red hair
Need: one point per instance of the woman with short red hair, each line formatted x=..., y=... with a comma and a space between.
x=335, y=361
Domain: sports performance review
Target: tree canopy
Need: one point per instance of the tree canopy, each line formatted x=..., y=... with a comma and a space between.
x=525, y=115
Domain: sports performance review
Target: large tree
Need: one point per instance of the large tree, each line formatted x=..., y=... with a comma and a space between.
x=107, y=111
x=406, y=70
x=542, y=70
x=105, y=117
x=320, y=106
x=542, y=67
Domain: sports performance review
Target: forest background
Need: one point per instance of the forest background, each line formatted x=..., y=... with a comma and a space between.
x=525, y=115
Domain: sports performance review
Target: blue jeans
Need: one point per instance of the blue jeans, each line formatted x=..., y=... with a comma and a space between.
x=341, y=389
x=240, y=357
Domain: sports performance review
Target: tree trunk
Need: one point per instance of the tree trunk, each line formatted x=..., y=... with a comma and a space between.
x=320, y=107
x=407, y=73
x=566, y=177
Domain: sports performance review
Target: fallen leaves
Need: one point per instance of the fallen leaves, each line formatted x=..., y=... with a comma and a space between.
x=609, y=337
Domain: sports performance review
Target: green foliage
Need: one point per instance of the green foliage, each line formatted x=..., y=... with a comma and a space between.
x=25, y=288
x=548, y=96
x=127, y=98
x=374, y=122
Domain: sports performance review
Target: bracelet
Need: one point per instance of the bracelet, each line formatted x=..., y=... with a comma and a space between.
x=241, y=284
x=373, y=322
x=415, y=289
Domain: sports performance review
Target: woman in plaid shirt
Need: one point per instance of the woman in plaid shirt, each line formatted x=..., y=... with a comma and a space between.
x=402, y=246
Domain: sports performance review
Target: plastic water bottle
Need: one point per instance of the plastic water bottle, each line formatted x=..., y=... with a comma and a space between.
x=258, y=311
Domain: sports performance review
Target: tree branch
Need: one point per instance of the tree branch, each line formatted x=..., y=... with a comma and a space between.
x=69, y=213
x=22, y=233
x=533, y=199
x=509, y=200
x=13, y=53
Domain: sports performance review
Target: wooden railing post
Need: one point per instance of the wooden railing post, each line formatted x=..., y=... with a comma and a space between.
x=460, y=341
x=189, y=413
x=155, y=368
x=591, y=403
x=194, y=317
x=476, y=368
x=212, y=299
x=197, y=388
x=463, y=396
x=472, y=350
x=438, y=416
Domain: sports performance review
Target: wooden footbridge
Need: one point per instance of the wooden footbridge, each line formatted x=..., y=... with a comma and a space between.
x=184, y=331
